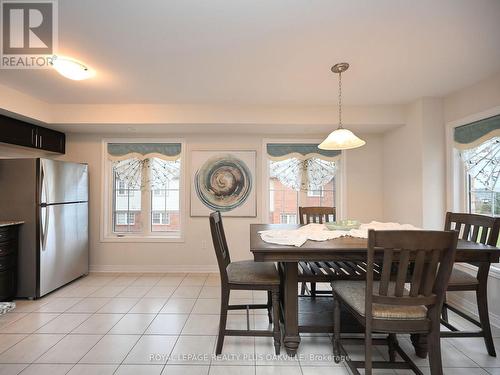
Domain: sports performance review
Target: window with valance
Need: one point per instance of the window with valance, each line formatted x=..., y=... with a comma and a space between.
x=479, y=147
x=145, y=183
x=300, y=174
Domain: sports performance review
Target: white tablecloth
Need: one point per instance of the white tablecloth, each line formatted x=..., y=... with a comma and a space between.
x=319, y=232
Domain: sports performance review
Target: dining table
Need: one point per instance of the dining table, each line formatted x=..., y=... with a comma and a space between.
x=306, y=314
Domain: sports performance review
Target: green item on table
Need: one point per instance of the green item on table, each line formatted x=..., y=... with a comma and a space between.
x=343, y=225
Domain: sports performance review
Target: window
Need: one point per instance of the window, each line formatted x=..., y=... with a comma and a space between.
x=145, y=195
x=127, y=203
x=161, y=218
x=121, y=187
x=481, y=173
x=162, y=192
x=299, y=175
x=315, y=193
x=479, y=146
x=476, y=172
x=121, y=218
x=288, y=218
x=125, y=218
x=481, y=200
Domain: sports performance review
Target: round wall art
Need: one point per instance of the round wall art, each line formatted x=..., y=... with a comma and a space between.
x=223, y=182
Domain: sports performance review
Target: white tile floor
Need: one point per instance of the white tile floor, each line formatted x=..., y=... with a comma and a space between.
x=167, y=324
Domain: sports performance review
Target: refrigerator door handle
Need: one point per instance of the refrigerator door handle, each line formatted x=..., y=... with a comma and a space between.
x=44, y=227
x=44, y=224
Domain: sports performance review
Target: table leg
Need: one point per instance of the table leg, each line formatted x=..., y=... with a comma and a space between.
x=419, y=342
x=291, y=313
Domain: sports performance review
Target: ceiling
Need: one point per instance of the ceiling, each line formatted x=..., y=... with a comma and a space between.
x=268, y=52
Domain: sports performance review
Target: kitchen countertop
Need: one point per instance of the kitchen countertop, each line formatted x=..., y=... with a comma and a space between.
x=6, y=223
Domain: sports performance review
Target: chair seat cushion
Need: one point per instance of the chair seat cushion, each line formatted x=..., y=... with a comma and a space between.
x=250, y=272
x=459, y=277
x=353, y=294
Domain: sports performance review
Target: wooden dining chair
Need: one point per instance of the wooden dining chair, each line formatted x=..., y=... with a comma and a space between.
x=310, y=271
x=416, y=268
x=244, y=275
x=482, y=229
x=319, y=215
x=325, y=272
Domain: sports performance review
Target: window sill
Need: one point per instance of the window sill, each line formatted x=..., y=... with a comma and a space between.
x=143, y=239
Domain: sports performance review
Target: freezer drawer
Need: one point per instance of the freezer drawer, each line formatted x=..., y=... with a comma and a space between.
x=63, y=245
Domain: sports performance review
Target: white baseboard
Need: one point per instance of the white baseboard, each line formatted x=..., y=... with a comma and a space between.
x=160, y=268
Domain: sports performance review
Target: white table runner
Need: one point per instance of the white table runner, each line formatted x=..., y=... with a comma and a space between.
x=319, y=232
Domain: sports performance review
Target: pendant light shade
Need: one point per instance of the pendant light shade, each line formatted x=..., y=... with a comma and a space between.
x=341, y=139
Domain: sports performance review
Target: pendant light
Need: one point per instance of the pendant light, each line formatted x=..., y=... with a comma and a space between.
x=341, y=139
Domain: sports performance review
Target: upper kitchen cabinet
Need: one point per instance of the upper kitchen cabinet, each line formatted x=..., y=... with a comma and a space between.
x=51, y=140
x=22, y=133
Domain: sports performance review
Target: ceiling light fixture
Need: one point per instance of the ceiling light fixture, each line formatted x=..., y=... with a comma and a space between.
x=341, y=139
x=71, y=68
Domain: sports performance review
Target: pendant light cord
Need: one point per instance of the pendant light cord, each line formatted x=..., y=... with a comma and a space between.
x=340, y=100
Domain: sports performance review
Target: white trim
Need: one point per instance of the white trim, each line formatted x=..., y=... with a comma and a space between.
x=265, y=181
x=474, y=117
x=105, y=219
x=154, y=268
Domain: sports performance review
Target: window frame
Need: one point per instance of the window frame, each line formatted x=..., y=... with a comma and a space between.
x=340, y=178
x=457, y=186
x=456, y=179
x=107, y=234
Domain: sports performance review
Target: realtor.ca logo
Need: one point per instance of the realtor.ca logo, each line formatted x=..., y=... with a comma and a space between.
x=29, y=33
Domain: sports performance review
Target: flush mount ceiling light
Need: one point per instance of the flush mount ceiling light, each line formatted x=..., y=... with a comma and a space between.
x=71, y=68
x=341, y=139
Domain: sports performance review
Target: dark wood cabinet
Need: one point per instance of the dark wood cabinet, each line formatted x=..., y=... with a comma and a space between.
x=51, y=140
x=22, y=133
x=8, y=261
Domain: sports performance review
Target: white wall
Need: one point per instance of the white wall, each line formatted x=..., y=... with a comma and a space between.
x=364, y=202
x=414, y=167
x=433, y=164
x=472, y=100
x=364, y=181
x=402, y=170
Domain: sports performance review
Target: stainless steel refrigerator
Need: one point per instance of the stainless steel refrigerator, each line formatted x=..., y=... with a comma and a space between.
x=52, y=198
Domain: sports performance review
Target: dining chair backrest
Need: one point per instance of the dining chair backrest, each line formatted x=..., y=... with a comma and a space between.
x=319, y=215
x=422, y=259
x=220, y=244
x=472, y=227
